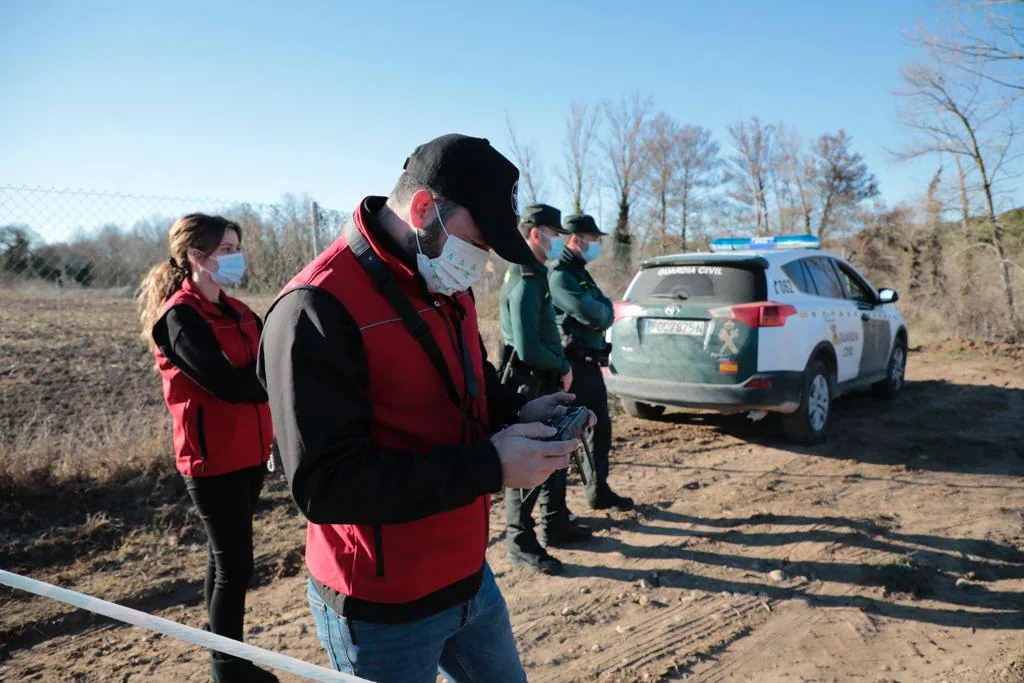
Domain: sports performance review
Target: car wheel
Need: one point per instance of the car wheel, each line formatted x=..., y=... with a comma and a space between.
x=809, y=423
x=645, y=411
x=895, y=372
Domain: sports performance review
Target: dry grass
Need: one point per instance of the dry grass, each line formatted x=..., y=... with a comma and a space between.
x=81, y=400
x=110, y=446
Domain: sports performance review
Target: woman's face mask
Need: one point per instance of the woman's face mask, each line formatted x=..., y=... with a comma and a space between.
x=230, y=269
x=459, y=266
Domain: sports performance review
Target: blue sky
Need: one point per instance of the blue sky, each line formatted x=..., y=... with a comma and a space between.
x=250, y=100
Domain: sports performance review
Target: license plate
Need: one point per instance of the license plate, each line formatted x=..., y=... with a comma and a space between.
x=692, y=328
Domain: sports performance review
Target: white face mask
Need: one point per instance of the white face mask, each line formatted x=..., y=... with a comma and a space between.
x=459, y=267
x=230, y=269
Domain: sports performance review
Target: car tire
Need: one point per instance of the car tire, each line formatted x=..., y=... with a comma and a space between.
x=895, y=372
x=809, y=424
x=645, y=411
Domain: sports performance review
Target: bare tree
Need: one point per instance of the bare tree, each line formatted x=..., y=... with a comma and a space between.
x=681, y=166
x=577, y=173
x=697, y=158
x=963, y=196
x=624, y=147
x=842, y=177
x=749, y=169
x=796, y=171
x=530, y=172
x=986, y=39
x=930, y=238
x=661, y=137
x=957, y=116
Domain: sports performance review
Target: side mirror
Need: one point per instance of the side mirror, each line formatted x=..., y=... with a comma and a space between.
x=888, y=296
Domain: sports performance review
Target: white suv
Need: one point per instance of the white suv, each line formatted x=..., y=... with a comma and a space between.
x=755, y=325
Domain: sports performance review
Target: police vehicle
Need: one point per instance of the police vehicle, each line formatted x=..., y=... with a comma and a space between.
x=757, y=325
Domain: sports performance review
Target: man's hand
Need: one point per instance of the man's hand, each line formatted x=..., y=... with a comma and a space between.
x=552, y=405
x=545, y=407
x=525, y=460
x=567, y=380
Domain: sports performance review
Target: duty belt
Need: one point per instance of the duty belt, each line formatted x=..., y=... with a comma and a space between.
x=595, y=356
x=529, y=382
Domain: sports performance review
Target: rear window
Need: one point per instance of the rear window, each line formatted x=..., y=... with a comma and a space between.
x=710, y=281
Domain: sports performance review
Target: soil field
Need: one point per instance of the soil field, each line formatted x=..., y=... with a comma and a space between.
x=893, y=552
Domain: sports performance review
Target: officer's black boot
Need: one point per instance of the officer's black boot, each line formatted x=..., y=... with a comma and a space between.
x=535, y=558
x=605, y=499
x=565, y=533
x=524, y=550
x=226, y=669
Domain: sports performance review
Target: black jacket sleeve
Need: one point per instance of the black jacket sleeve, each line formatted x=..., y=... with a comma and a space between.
x=314, y=367
x=188, y=343
x=502, y=400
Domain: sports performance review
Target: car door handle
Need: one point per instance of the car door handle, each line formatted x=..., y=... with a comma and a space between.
x=865, y=317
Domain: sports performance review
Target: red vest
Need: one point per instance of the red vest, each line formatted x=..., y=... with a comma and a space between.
x=399, y=563
x=212, y=436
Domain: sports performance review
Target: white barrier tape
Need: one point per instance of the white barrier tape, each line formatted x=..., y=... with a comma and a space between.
x=211, y=641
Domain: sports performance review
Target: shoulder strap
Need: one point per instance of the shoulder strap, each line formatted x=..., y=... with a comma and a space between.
x=384, y=282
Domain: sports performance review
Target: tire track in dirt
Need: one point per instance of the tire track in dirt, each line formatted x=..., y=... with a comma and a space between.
x=682, y=634
x=772, y=630
x=647, y=647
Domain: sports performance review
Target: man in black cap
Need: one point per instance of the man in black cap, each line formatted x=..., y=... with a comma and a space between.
x=584, y=313
x=534, y=363
x=385, y=410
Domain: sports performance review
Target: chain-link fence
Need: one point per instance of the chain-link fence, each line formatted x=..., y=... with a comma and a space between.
x=106, y=241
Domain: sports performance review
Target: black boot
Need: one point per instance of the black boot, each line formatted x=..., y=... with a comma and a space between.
x=233, y=670
x=606, y=498
x=535, y=558
x=565, y=533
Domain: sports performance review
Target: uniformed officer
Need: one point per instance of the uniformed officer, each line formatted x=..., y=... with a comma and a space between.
x=534, y=362
x=584, y=313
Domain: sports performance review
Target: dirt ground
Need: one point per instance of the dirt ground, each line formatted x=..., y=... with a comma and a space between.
x=894, y=552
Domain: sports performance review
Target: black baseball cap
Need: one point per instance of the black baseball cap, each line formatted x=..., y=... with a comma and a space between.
x=544, y=214
x=471, y=173
x=581, y=223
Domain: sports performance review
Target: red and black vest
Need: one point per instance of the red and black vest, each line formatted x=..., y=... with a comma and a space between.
x=400, y=563
x=212, y=436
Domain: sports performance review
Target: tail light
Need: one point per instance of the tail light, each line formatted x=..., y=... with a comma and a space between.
x=761, y=314
x=624, y=309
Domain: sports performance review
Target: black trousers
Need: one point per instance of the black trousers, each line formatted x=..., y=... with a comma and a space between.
x=588, y=385
x=226, y=503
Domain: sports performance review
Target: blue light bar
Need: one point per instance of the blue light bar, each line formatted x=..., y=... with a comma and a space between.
x=765, y=243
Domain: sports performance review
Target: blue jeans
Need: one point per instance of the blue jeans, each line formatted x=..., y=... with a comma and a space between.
x=466, y=643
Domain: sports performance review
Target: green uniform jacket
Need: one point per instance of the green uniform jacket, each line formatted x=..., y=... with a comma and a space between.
x=528, y=319
x=582, y=310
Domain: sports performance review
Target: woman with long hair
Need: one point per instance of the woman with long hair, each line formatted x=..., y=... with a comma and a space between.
x=205, y=343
